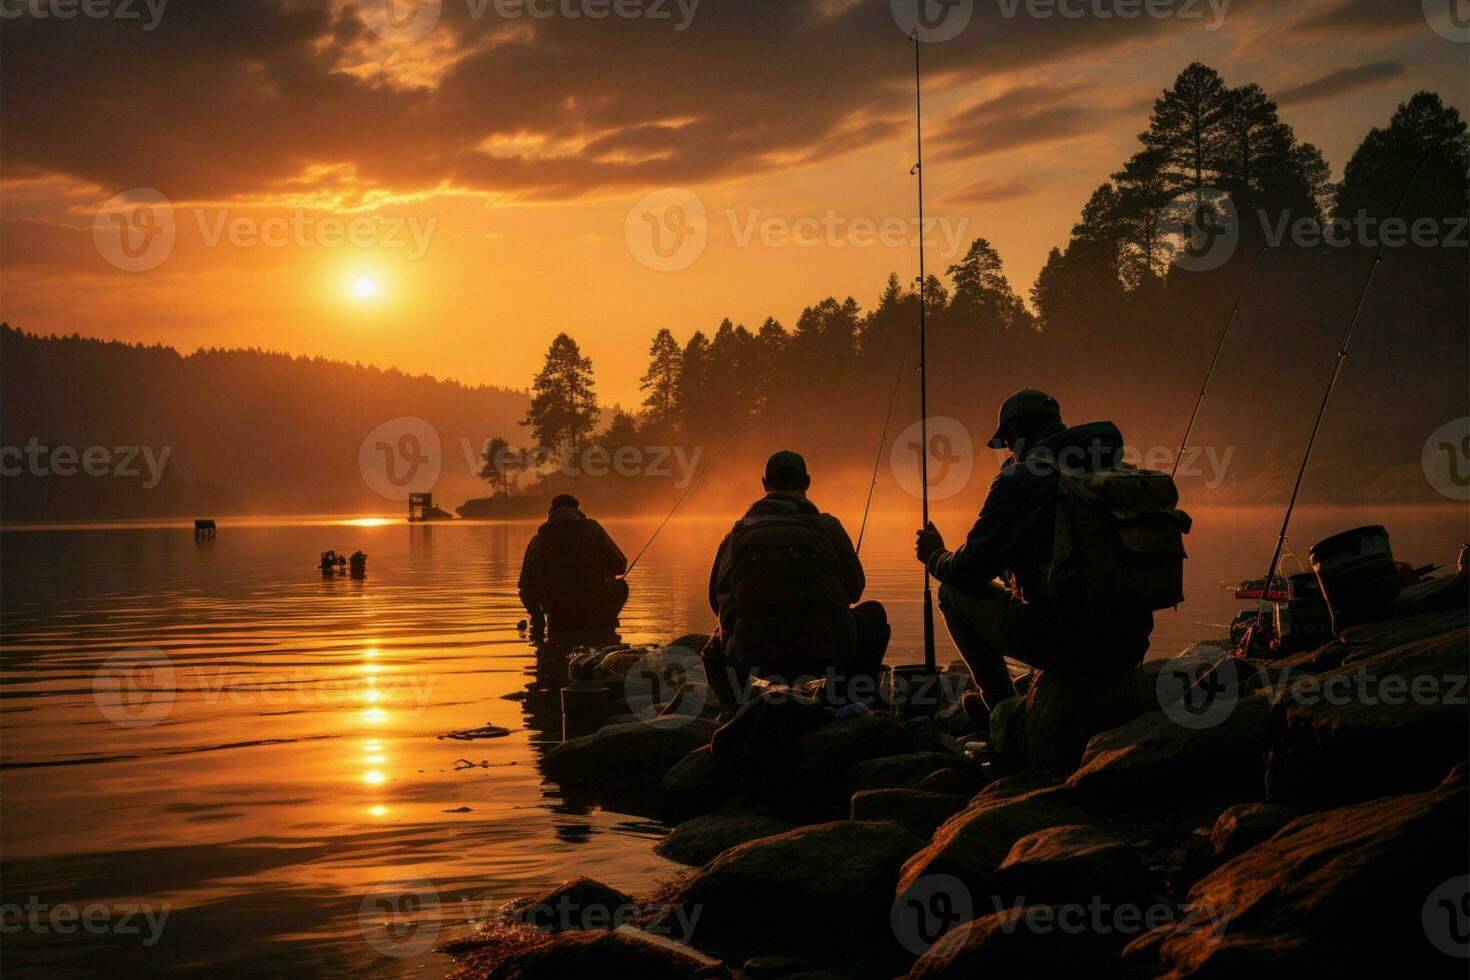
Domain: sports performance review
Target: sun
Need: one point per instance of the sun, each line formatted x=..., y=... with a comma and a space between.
x=365, y=287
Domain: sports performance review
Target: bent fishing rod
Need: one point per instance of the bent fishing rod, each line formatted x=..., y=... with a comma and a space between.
x=918, y=169
x=682, y=497
x=1210, y=371
x=882, y=441
x=1337, y=365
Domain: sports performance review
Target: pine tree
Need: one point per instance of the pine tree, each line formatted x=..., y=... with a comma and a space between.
x=563, y=406
x=665, y=362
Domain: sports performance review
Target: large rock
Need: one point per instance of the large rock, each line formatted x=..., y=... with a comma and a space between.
x=1245, y=825
x=630, y=756
x=819, y=890
x=1215, y=753
x=702, y=839
x=1065, y=710
x=594, y=954
x=1344, y=892
x=810, y=778
x=907, y=771
x=1385, y=722
x=582, y=903
x=693, y=786
x=972, y=843
x=1018, y=943
x=1073, y=864
x=918, y=811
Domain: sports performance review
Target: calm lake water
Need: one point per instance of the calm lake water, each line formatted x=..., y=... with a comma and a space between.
x=283, y=763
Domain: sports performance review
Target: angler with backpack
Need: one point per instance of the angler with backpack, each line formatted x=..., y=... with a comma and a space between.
x=570, y=576
x=786, y=585
x=1088, y=547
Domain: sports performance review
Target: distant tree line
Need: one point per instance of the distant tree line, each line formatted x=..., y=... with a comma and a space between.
x=1110, y=311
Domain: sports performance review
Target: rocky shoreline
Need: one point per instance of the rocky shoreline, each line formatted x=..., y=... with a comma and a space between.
x=1202, y=816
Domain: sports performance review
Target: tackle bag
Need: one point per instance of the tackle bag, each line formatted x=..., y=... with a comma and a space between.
x=1119, y=544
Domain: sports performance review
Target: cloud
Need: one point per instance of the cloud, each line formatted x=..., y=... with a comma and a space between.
x=238, y=99
x=991, y=191
x=1339, y=82
x=1359, y=19
x=1020, y=117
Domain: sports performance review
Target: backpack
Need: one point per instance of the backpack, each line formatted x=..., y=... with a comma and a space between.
x=791, y=608
x=1119, y=542
x=571, y=571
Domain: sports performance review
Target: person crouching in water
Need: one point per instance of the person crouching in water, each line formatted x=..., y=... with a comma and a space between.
x=570, y=581
x=1093, y=610
x=787, y=586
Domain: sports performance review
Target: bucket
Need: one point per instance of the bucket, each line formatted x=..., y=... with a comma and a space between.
x=913, y=691
x=583, y=708
x=1357, y=574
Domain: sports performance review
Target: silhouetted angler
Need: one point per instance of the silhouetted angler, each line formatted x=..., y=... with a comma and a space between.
x=569, y=579
x=783, y=583
x=1088, y=546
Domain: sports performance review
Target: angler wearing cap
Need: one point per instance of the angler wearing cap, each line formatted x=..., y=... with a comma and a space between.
x=1088, y=547
x=569, y=577
x=784, y=585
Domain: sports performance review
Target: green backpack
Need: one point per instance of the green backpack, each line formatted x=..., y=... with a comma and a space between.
x=1119, y=545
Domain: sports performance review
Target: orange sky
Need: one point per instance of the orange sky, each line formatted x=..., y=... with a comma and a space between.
x=487, y=176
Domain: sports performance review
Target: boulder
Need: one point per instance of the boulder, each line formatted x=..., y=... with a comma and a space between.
x=1387, y=721
x=1028, y=782
x=630, y=756
x=693, y=786
x=907, y=771
x=1245, y=825
x=1071, y=865
x=971, y=844
x=1344, y=892
x=816, y=891
x=810, y=777
x=1018, y=943
x=964, y=782
x=700, y=840
x=581, y=903
x=918, y=811
x=1065, y=710
x=595, y=954
x=1215, y=753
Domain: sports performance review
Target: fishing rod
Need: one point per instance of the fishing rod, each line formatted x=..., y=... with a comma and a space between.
x=1210, y=372
x=882, y=441
x=918, y=169
x=1342, y=353
x=682, y=497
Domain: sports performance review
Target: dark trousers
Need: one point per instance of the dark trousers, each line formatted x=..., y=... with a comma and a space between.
x=989, y=625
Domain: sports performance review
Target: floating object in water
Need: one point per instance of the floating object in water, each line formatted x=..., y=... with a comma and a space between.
x=421, y=509
x=1359, y=578
x=471, y=734
x=357, y=565
x=332, y=563
x=203, y=528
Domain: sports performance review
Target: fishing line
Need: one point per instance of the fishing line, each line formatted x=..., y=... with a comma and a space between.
x=1210, y=372
x=1342, y=353
x=883, y=440
x=682, y=497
